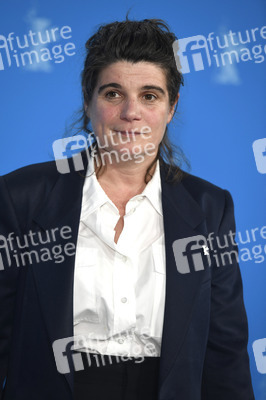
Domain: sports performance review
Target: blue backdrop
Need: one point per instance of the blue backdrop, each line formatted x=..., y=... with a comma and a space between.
x=220, y=114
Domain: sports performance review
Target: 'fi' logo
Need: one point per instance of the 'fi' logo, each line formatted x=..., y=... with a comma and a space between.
x=3, y=45
x=191, y=254
x=259, y=350
x=65, y=355
x=66, y=148
x=4, y=245
x=259, y=150
x=191, y=53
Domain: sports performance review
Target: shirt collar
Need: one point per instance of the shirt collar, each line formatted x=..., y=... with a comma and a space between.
x=93, y=194
x=153, y=190
x=91, y=185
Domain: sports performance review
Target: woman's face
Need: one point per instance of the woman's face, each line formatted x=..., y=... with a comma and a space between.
x=130, y=107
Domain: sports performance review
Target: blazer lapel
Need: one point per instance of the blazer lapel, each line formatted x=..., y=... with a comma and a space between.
x=54, y=281
x=182, y=215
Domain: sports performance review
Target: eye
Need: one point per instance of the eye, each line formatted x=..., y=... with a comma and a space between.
x=112, y=94
x=150, y=97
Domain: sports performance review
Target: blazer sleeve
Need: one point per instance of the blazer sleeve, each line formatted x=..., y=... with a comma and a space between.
x=8, y=279
x=226, y=373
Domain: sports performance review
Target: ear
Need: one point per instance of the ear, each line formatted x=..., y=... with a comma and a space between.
x=172, y=109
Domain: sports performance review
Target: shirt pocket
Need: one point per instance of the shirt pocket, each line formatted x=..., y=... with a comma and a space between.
x=86, y=289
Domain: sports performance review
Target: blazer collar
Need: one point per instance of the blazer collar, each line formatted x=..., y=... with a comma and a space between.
x=182, y=216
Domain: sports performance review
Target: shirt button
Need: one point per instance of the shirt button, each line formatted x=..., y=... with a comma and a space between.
x=124, y=299
x=124, y=258
x=121, y=341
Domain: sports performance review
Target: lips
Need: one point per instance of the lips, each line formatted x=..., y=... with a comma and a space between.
x=129, y=132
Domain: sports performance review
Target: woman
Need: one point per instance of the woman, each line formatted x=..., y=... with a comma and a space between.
x=120, y=293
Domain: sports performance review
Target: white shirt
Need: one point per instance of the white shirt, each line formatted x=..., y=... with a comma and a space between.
x=119, y=289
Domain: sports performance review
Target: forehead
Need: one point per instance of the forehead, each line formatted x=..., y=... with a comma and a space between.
x=131, y=75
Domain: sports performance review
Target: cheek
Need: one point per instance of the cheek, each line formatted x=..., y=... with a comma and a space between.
x=102, y=115
x=157, y=120
x=106, y=114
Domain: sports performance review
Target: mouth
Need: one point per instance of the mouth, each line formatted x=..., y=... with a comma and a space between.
x=129, y=133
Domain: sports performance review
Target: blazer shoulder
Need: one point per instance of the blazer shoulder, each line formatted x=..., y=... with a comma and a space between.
x=33, y=171
x=31, y=177
x=197, y=184
x=26, y=187
x=213, y=199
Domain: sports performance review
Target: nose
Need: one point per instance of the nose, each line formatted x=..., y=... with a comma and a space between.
x=130, y=110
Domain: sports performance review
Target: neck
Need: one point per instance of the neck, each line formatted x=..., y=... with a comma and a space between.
x=126, y=174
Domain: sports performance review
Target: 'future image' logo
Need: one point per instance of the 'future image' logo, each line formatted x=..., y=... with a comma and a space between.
x=36, y=47
x=195, y=53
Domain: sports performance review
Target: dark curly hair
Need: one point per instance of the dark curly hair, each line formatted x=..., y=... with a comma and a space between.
x=146, y=40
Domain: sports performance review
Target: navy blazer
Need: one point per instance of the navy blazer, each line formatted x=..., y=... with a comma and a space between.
x=205, y=332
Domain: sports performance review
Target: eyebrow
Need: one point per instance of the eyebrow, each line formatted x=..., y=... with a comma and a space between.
x=118, y=86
